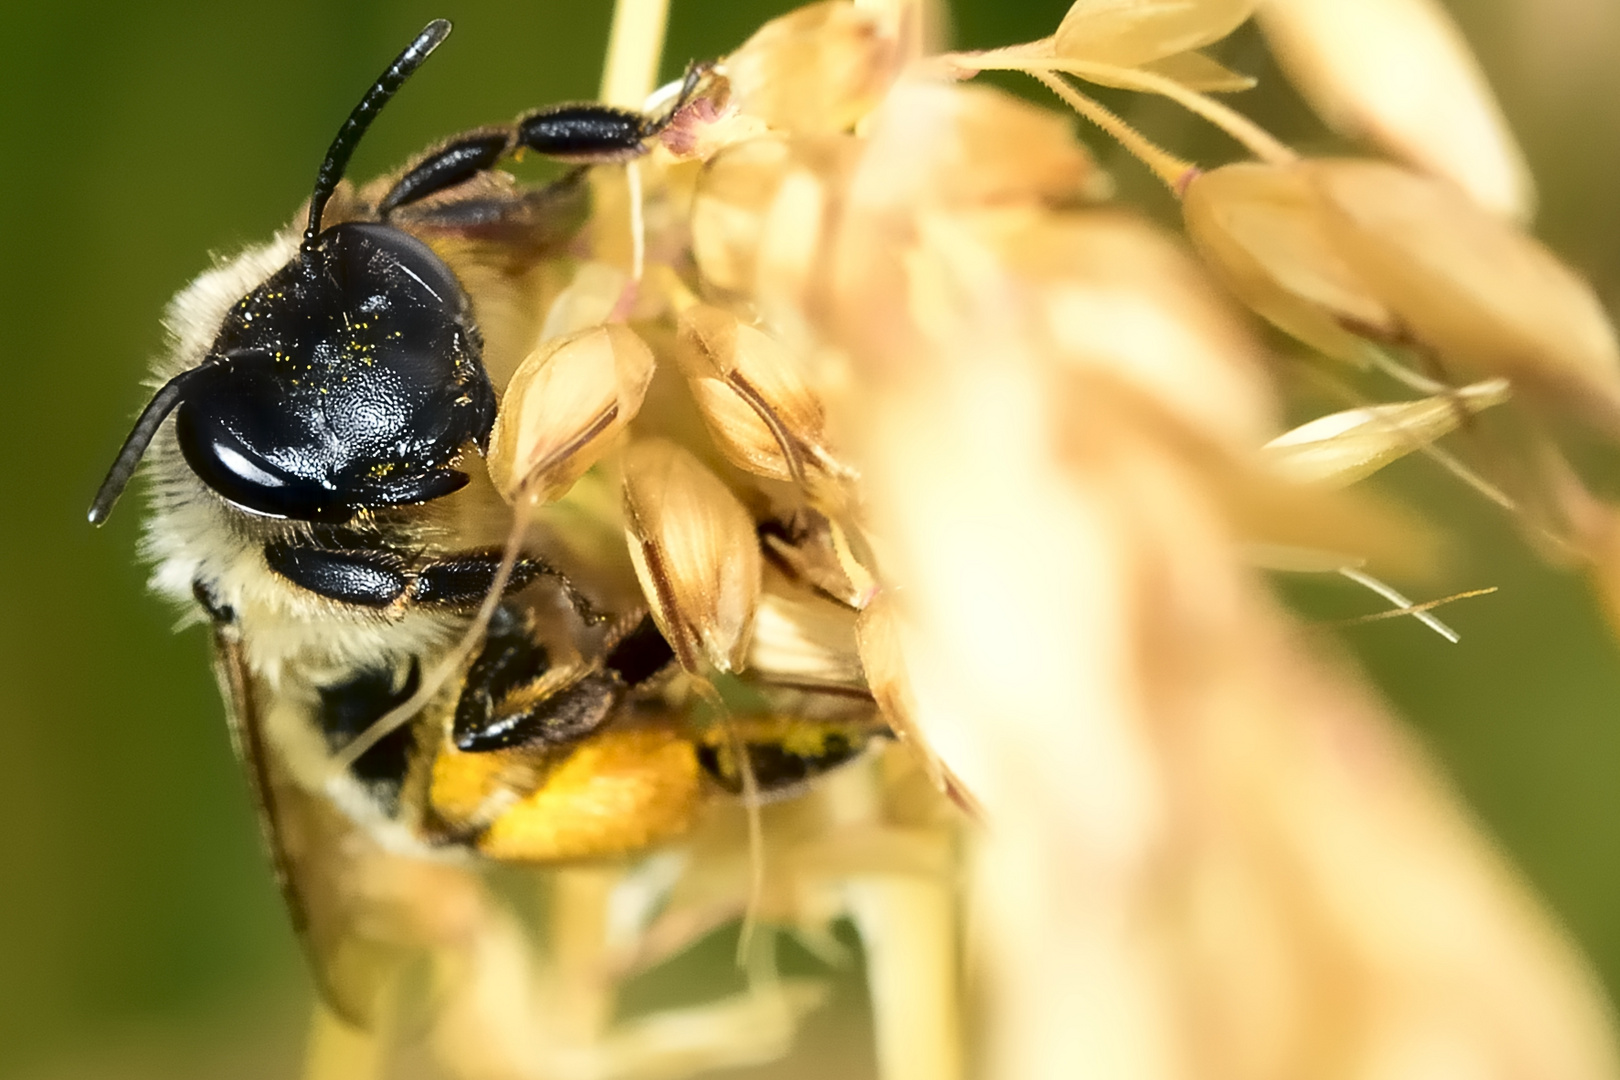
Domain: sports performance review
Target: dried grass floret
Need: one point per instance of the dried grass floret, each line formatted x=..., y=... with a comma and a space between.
x=1399, y=74
x=1344, y=447
x=694, y=550
x=563, y=409
x=1137, y=32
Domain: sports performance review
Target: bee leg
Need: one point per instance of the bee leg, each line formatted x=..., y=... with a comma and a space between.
x=378, y=579
x=371, y=579
x=452, y=162
x=219, y=612
x=512, y=697
x=528, y=222
x=784, y=755
x=587, y=133
x=465, y=579
x=595, y=134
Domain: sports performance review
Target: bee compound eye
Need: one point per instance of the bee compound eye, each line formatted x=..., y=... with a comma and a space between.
x=281, y=469
x=415, y=275
x=229, y=455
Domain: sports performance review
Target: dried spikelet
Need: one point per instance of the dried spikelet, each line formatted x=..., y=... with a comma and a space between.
x=1259, y=228
x=1480, y=293
x=1348, y=446
x=804, y=639
x=1323, y=248
x=1398, y=72
x=825, y=554
x=695, y=555
x=816, y=70
x=743, y=437
x=563, y=408
x=1115, y=43
x=1138, y=32
x=758, y=407
x=884, y=665
x=1132, y=46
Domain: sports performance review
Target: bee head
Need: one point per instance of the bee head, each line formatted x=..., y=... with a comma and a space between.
x=349, y=380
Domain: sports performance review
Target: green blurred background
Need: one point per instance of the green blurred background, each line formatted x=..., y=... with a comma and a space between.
x=140, y=935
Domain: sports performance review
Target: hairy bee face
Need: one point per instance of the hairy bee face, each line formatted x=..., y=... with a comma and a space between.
x=575, y=650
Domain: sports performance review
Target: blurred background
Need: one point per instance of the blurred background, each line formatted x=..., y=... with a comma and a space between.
x=140, y=933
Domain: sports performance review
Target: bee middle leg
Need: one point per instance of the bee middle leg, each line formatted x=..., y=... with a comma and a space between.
x=588, y=133
x=512, y=696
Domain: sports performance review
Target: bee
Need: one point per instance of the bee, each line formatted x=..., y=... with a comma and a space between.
x=320, y=498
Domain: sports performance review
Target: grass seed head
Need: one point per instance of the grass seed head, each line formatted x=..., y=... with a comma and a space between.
x=1207, y=851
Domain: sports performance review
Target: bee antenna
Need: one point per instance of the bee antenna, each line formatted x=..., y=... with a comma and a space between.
x=140, y=436
x=354, y=128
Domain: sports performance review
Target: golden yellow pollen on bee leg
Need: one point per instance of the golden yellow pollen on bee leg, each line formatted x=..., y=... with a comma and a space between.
x=463, y=785
x=616, y=793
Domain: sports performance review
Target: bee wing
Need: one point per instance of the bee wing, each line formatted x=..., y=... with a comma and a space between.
x=361, y=913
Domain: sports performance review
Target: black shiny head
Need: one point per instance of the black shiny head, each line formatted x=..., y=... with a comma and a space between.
x=350, y=380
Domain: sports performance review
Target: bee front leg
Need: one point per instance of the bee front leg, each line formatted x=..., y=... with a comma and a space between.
x=380, y=579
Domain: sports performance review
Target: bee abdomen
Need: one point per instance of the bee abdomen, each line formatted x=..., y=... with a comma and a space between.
x=783, y=754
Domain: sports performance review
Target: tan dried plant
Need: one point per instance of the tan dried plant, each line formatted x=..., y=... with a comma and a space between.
x=1140, y=823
